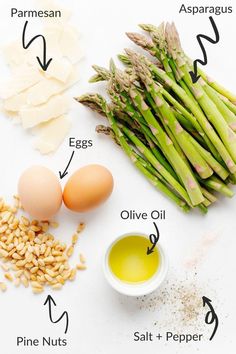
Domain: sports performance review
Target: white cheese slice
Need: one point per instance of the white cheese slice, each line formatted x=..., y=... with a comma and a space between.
x=69, y=44
x=47, y=88
x=52, y=134
x=15, y=103
x=53, y=32
x=59, y=69
x=11, y=115
x=32, y=116
x=14, y=53
x=16, y=56
x=23, y=79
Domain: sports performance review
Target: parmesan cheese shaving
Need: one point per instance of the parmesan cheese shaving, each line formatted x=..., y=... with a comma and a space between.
x=34, y=97
x=22, y=80
x=15, y=103
x=14, y=53
x=69, y=44
x=59, y=69
x=51, y=135
x=46, y=88
x=16, y=56
x=53, y=32
x=32, y=116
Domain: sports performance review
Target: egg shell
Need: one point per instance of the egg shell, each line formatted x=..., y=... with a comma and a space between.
x=40, y=192
x=87, y=188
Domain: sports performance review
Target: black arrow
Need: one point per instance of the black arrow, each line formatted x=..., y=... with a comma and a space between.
x=153, y=239
x=207, y=301
x=194, y=76
x=49, y=301
x=211, y=316
x=44, y=63
x=64, y=173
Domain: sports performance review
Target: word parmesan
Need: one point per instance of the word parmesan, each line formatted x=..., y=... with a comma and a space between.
x=33, y=13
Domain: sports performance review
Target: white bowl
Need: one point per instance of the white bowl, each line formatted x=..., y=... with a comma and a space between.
x=138, y=289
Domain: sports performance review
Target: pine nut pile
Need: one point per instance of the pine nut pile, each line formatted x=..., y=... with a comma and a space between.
x=30, y=255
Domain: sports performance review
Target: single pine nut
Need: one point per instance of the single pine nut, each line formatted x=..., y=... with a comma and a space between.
x=49, y=259
x=19, y=273
x=3, y=287
x=70, y=251
x=25, y=282
x=49, y=279
x=75, y=239
x=82, y=258
x=5, y=267
x=54, y=224
x=34, y=270
x=81, y=266
x=81, y=227
x=57, y=286
x=50, y=273
x=72, y=274
x=8, y=276
x=16, y=256
x=3, y=253
x=37, y=290
x=36, y=284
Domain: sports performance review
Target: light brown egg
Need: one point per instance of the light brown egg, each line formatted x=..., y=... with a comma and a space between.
x=87, y=188
x=40, y=192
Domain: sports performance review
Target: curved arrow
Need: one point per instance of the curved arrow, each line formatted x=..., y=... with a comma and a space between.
x=50, y=300
x=211, y=316
x=153, y=239
x=44, y=64
x=194, y=76
x=65, y=172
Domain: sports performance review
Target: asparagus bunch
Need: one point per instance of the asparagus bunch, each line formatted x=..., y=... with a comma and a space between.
x=179, y=134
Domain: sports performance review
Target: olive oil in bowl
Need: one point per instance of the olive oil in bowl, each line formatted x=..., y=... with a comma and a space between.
x=129, y=262
x=129, y=269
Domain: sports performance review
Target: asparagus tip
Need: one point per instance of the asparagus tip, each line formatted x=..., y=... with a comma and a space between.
x=93, y=101
x=103, y=72
x=95, y=78
x=123, y=79
x=148, y=27
x=172, y=39
x=140, y=65
x=112, y=66
x=141, y=40
x=124, y=59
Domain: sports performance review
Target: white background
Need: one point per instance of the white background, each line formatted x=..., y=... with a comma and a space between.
x=102, y=321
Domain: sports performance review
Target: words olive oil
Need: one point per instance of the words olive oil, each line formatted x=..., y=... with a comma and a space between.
x=128, y=259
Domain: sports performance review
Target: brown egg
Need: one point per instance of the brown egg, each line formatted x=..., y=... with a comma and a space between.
x=40, y=192
x=87, y=188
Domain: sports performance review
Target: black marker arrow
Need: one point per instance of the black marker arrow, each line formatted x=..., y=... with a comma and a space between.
x=207, y=301
x=65, y=172
x=49, y=301
x=153, y=239
x=150, y=250
x=44, y=63
x=211, y=316
x=194, y=74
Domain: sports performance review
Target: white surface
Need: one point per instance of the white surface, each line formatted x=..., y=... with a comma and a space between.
x=101, y=321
